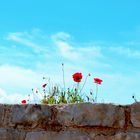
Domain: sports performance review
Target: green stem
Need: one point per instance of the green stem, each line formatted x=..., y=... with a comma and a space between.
x=77, y=87
x=28, y=99
x=84, y=83
x=33, y=96
x=63, y=76
x=49, y=85
x=96, y=92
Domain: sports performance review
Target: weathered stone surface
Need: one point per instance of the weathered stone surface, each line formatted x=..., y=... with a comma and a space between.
x=30, y=115
x=127, y=136
x=135, y=114
x=11, y=134
x=5, y=115
x=87, y=114
x=77, y=135
x=103, y=137
x=118, y=136
x=83, y=121
x=64, y=135
x=1, y=114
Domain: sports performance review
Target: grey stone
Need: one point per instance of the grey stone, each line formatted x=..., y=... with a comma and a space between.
x=30, y=114
x=135, y=114
x=103, y=137
x=1, y=114
x=127, y=136
x=87, y=114
x=11, y=134
x=63, y=135
x=5, y=115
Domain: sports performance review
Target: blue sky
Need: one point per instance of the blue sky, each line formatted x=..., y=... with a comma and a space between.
x=89, y=36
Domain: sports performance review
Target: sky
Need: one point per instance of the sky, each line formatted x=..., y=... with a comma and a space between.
x=89, y=36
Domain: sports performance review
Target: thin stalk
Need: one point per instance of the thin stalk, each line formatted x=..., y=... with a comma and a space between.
x=44, y=91
x=96, y=92
x=77, y=89
x=28, y=99
x=63, y=81
x=63, y=78
x=134, y=99
x=41, y=93
x=84, y=83
x=33, y=96
x=49, y=85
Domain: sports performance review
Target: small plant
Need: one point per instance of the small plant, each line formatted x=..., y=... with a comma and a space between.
x=59, y=95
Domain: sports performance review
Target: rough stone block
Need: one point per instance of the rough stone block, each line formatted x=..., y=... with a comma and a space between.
x=135, y=114
x=64, y=135
x=1, y=114
x=127, y=136
x=88, y=114
x=11, y=134
x=30, y=114
x=103, y=137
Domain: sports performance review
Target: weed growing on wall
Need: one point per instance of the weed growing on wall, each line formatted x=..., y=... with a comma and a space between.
x=57, y=95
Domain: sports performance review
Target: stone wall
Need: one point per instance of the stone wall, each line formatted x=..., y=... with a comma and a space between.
x=84, y=121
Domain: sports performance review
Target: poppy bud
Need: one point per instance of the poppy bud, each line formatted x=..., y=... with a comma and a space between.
x=44, y=85
x=23, y=101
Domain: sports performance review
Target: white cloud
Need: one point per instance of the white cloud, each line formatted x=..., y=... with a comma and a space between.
x=63, y=48
x=22, y=38
x=2, y=92
x=73, y=51
x=16, y=98
x=17, y=77
x=125, y=51
x=92, y=51
x=16, y=83
x=11, y=98
x=119, y=87
x=61, y=45
x=133, y=43
x=60, y=36
x=67, y=51
x=60, y=39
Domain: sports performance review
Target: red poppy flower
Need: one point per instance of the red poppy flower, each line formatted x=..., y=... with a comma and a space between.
x=77, y=77
x=44, y=85
x=23, y=101
x=98, y=81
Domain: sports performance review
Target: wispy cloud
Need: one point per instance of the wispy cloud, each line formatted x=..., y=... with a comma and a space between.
x=22, y=38
x=11, y=98
x=18, y=77
x=60, y=36
x=119, y=87
x=72, y=50
x=16, y=83
x=67, y=50
x=126, y=52
x=61, y=41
